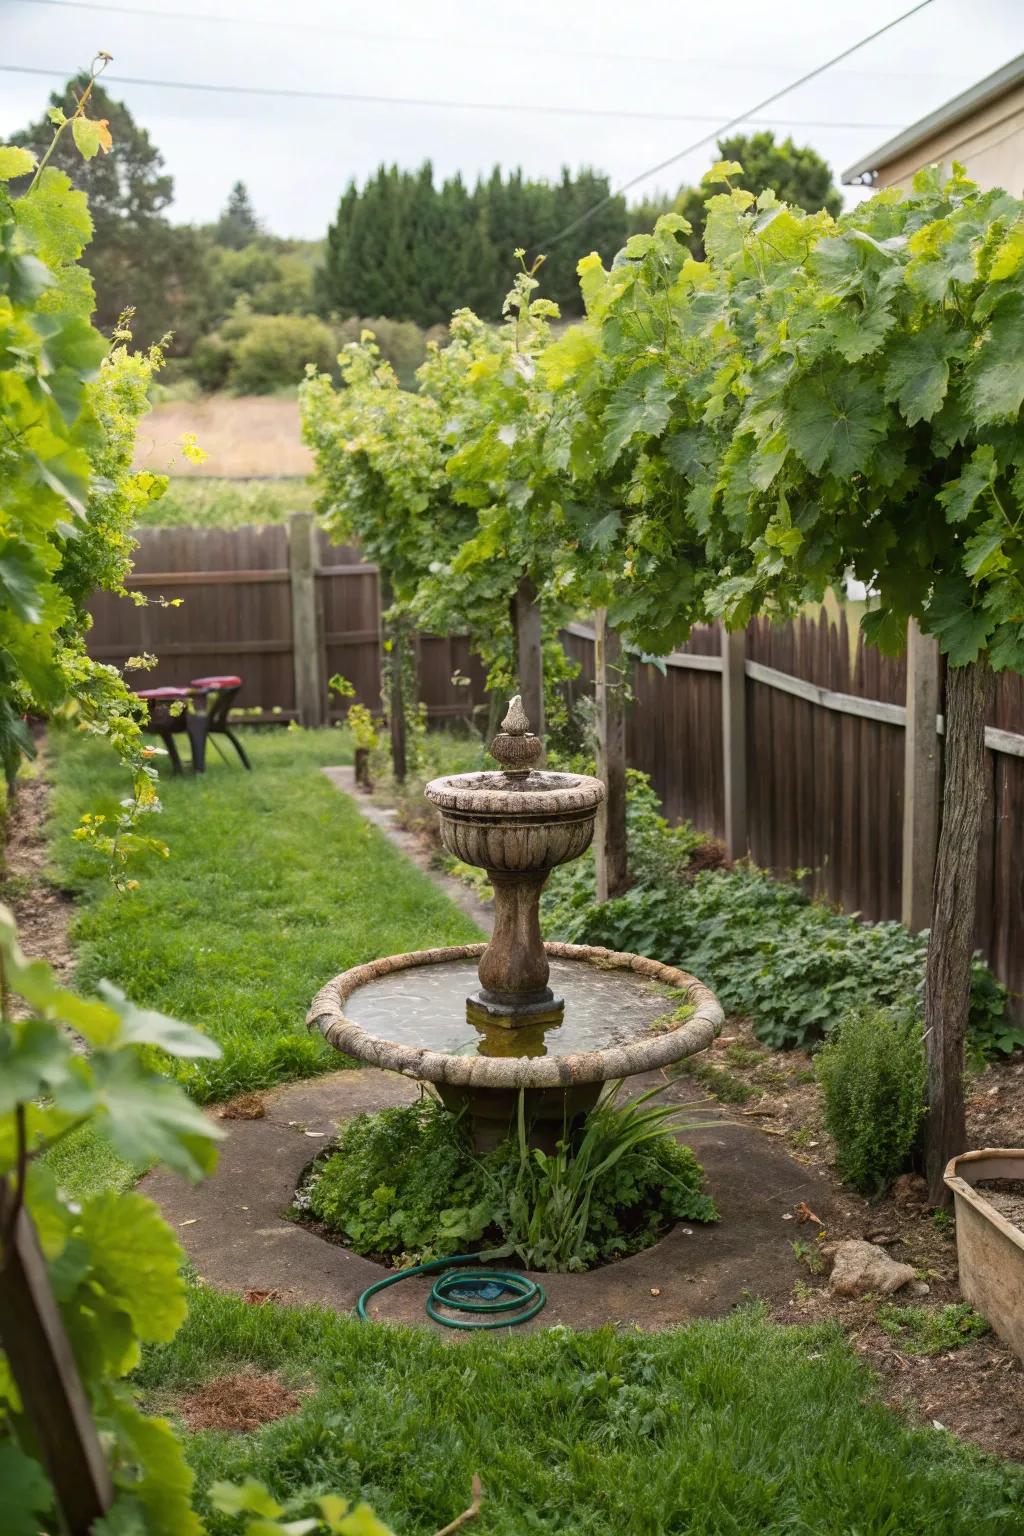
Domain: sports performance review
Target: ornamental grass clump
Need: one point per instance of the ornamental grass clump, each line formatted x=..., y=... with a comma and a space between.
x=874, y=1077
x=406, y=1184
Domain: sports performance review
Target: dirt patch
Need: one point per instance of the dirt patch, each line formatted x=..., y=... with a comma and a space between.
x=1007, y=1195
x=977, y=1390
x=42, y=912
x=246, y=1106
x=241, y=1401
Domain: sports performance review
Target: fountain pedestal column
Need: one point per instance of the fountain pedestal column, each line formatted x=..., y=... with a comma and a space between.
x=514, y=967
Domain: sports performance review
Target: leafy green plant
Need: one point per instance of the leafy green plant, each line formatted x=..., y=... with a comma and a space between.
x=69, y=408
x=873, y=1073
x=114, y=1264
x=792, y=965
x=932, y=1330
x=406, y=1183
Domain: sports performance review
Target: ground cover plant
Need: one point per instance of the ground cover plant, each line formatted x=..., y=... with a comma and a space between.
x=920, y=1331
x=720, y=1427
x=272, y=886
x=405, y=1183
x=793, y=965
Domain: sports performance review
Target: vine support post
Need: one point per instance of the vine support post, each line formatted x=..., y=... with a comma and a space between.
x=309, y=683
x=921, y=779
x=734, y=740
x=610, y=848
x=947, y=990
x=36, y=1344
x=526, y=621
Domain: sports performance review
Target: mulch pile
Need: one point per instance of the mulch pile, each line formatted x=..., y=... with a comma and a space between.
x=241, y=1401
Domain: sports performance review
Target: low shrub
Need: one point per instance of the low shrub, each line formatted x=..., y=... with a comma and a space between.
x=273, y=351
x=873, y=1074
x=405, y=1183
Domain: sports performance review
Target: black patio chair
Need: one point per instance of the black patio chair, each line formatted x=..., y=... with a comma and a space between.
x=163, y=722
x=216, y=695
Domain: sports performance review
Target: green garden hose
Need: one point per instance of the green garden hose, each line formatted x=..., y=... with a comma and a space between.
x=486, y=1291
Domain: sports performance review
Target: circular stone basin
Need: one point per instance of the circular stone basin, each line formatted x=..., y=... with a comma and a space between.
x=624, y=1014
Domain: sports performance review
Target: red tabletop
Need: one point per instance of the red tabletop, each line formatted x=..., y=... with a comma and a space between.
x=216, y=682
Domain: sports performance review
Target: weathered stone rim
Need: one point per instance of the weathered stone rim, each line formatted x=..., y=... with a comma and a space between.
x=694, y=1034
x=580, y=792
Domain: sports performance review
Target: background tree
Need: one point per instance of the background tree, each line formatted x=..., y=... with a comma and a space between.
x=137, y=258
x=402, y=247
x=238, y=224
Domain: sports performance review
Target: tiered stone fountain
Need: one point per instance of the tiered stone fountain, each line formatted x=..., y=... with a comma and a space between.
x=483, y=1022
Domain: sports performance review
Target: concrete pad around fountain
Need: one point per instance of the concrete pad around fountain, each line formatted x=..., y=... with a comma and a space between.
x=233, y=1230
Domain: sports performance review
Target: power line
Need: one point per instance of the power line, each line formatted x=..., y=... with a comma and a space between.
x=361, y=99
x=446, y=40
x=734, y=122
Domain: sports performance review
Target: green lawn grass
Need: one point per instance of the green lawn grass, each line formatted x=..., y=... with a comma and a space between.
x=274, y=883
x=209, y=501
x=723, y=1428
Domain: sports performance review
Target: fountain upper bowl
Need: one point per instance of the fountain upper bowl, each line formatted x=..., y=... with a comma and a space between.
x=508, y=825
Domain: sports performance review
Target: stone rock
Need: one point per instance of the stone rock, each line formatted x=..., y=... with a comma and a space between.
x=861, y=1267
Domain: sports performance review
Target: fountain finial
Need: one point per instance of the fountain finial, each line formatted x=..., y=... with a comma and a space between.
x=515, y=747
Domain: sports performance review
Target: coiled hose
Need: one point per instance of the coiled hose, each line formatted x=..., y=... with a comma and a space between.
x=494, y=1294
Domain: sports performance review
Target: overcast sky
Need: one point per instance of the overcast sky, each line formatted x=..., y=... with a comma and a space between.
x=689, y=65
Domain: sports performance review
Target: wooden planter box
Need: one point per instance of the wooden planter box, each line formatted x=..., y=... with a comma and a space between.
x=990, y=1248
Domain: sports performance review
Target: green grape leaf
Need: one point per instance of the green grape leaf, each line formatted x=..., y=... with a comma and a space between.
x=27, y=1496
x=640, y=404
x=247, y=1498
x=165, y=1485
x=33, y=1059
x=856, y=333
x=136, y=1260
x=961, y=628
x=835, y=423
x=959, y=496
x=55, y=217
x=1010, y=254
x=150, y=1119
x=21, y=580
x=918, y=373
x=144, y=1026
x=983, y=552
x=996, y=371
x=15, y=162
x=602, y=534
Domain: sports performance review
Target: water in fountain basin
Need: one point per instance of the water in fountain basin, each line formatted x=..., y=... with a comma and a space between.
x=426, y=1006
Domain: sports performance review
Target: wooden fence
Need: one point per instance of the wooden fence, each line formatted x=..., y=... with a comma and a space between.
x=829, y=768
x=280, y=606
x=825, y=759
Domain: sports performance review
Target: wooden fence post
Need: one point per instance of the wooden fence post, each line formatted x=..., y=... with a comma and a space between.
x=734, y=741
x=610, y=850
x=920, y=780
x=309, y=685
x=43, y=1367
x=526, y=617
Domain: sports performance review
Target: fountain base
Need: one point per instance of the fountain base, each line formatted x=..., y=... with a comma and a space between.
x=483, y=1008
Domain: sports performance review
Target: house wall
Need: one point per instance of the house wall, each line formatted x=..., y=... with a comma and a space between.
x=990, y=143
